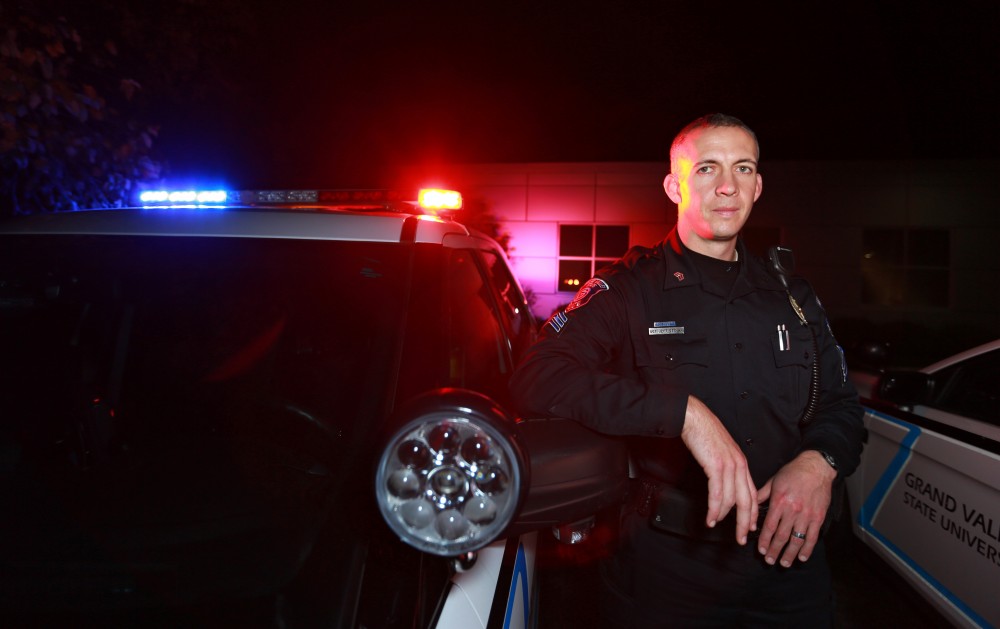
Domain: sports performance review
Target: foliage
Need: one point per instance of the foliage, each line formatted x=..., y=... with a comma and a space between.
x=478, y=214
x=80, y=84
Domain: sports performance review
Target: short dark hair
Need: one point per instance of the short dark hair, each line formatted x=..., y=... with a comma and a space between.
x=707, y=121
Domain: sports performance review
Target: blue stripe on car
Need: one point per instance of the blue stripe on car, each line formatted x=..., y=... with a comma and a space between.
x=520, y=579
x=878, y=495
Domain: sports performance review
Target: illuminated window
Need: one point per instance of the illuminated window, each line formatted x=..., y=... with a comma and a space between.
x=583, y=249
x=906, y=267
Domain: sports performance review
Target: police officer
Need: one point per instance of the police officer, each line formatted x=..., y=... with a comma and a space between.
x=699, y=355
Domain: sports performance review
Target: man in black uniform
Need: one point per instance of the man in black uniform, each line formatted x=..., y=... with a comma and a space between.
x=697, y=352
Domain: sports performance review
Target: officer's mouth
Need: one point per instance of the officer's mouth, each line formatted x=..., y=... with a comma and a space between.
x=726, y=212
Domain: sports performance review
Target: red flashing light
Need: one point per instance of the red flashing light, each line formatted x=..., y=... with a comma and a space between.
x=436, y=200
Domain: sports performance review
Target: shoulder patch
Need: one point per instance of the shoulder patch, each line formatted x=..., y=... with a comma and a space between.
x=593, y=286
x=558, y=321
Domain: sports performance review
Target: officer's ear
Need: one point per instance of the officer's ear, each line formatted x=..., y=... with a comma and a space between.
x=672, y=188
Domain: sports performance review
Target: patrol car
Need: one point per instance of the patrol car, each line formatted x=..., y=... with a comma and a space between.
x=274, y=408
x=926, y=497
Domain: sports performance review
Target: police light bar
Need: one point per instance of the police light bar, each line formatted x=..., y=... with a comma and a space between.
x=430, y=200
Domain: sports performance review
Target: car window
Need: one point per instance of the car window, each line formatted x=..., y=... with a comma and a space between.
x=970, y=388
x=127, y=344
x=478, y=356
x=515, y=314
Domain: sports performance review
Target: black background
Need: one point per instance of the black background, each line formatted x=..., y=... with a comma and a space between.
x=343, y=93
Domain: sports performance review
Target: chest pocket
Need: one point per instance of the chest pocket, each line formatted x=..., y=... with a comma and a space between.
x=678, y=362
x=670, y=353
x=795, y=350
x=793, y=358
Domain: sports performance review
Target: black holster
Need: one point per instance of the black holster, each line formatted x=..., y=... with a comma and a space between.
x=678, y=512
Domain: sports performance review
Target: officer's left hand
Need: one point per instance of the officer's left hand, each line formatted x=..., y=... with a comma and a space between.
x=799, y=495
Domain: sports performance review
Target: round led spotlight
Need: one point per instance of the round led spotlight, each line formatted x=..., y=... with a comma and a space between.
x=417, y=513
x=414, y=453
x=491, y=479
x=481, y=510
x=448, y=483
x=450, y=480
x=405, y=483
x=451, y=524
x=477, y=449
x=444, y=439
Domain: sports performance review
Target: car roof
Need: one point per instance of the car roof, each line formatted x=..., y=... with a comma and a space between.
x=957, y=358
x=309, y=223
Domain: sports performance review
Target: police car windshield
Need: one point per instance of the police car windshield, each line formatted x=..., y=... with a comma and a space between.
x=127, y=346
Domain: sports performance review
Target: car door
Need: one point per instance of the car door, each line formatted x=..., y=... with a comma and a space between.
x=485, y=307
x=457, y=339
x=930, y=479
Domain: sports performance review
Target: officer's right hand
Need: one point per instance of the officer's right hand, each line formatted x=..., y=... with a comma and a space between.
x=729, y=480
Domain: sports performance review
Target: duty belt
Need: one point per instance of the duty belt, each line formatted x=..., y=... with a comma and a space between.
x=674, y=511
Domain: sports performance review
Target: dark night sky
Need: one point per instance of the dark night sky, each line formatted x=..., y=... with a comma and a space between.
x=343, y=95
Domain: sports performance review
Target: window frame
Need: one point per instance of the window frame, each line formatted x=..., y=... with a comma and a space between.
x=950, y=381
x=593, y=260
x=901, y=272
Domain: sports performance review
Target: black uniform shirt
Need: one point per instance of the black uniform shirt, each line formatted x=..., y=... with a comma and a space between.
x=652, y=328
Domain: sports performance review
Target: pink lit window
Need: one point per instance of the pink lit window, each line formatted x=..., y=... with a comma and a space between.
x=583, y=249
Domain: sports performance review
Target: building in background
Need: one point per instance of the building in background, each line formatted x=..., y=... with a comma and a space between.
x=901, y=251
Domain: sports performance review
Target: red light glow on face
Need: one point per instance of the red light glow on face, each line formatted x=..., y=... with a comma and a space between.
x=714, y=182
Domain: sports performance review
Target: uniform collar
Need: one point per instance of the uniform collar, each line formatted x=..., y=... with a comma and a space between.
x=681, y=270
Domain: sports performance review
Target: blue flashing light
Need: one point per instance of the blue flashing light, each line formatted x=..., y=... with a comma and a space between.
x=183, y=197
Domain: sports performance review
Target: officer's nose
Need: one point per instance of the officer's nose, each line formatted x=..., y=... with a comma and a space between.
x=727, y=186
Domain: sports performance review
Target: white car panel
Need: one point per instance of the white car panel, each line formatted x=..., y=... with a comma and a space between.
x=471, y=597
x=236, y=223
x=929, y=504
x=964, y=423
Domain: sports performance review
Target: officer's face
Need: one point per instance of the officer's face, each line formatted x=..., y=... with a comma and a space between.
x=714, y=182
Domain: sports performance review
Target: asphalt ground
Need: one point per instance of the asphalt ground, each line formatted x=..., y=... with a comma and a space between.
x=869, y=594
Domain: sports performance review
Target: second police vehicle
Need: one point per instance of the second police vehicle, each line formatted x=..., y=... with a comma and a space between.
x=926, y=497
